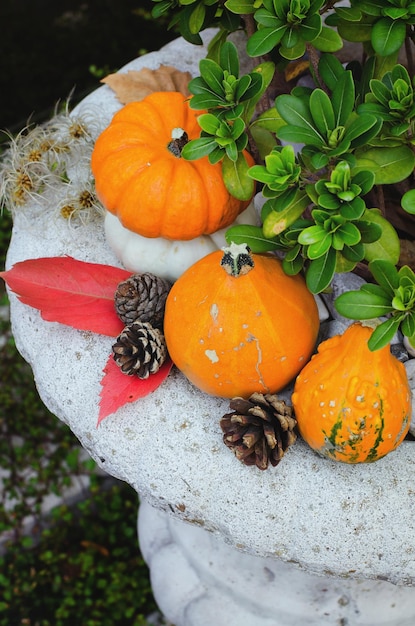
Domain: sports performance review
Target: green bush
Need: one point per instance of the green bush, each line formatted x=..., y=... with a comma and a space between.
x=86, y=564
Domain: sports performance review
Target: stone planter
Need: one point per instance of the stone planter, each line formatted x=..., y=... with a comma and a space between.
x=309, y=542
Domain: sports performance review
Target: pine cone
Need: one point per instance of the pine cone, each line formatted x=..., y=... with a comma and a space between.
x=142, y=297
x=259, y=430
x=140, y=350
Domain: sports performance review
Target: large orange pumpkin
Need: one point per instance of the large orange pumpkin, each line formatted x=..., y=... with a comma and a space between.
x=351, y=404
x=141, y=177
x=234, y=334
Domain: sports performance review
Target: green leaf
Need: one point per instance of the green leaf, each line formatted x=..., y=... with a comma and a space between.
x=209, y=123
x=328, y=201
x=343, y=97
x=321, y=271
x=229, y=59
x=270, y=120
x=331, y=70
x=357, y=131
x=385, y=274
x=267, y=19
x=353, y=254
x=408, y=201
x=265, y=140
x=365, y=180
x=361, y=305
x=389, y=165
x=380, y=91
x=358, y=32
x=232, y=153
x=383, y=334
x=215, y=45
x=249, y=87
x=387, y=247
x=328, y=40
x=266, y=72
x=353, y=210
x=319, y=248
x=295, y=111
x=252, y=236
x=293, y=261
x=388, y=36
x=198, y=148
x=299, y=134
x=322, y=112
x=264, y=40
x=312, y=234
x=197, y=18
x=277, y=221
x=408, y=324
x=212, y=74
x=369, y=231
x=207, y=100
x=377, y=290
x=350, y=14
x=349, y=233
x=241, y=7
x=236, y=179
x=296, y=52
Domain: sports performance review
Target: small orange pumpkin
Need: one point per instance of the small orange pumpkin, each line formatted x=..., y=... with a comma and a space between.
x=141, y=178
x=351, y=404
x=248, y=330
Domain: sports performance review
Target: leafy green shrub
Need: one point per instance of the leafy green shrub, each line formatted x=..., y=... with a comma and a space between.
x=87, y=565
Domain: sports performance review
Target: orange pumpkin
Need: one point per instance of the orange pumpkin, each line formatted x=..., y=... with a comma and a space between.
x=235, y=333
x=351, y=404
x=141, y=178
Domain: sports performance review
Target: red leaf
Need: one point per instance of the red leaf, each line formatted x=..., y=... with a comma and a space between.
x=75, y=293
x=118, y=388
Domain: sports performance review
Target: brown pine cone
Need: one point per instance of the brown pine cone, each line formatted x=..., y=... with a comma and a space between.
x=140, y=350
x=259, y=430
x=142, y=297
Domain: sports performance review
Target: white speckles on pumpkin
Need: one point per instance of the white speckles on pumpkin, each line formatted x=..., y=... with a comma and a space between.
x=212, y=355
x=214, y=312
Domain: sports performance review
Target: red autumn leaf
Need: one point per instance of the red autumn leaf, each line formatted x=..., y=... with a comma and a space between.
x=75, y=293
x=118, y=388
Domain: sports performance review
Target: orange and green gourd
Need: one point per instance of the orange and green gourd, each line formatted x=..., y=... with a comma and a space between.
x=141, y=177
x=352, y=404
x=235, y=323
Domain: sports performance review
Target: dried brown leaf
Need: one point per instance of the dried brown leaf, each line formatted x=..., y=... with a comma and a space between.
x=133, y=86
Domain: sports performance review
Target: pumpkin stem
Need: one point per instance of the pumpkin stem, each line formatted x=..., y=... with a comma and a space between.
x=237, y=259
x=179, y=139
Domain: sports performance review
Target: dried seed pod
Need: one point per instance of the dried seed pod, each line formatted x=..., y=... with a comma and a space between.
x=142, y=297
x=259, y=430
x=140, y=350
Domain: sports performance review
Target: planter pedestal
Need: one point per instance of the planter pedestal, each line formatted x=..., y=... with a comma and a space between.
x=198, y=580
x=308, y=542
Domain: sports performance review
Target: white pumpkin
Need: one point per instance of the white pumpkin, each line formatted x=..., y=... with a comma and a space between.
x=163, y=257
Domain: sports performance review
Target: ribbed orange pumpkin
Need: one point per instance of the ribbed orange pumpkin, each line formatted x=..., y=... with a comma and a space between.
x=141, y=178
x=351, y=404
x=250, y=330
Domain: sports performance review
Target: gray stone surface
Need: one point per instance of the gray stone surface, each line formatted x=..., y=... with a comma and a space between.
x=326, y=517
